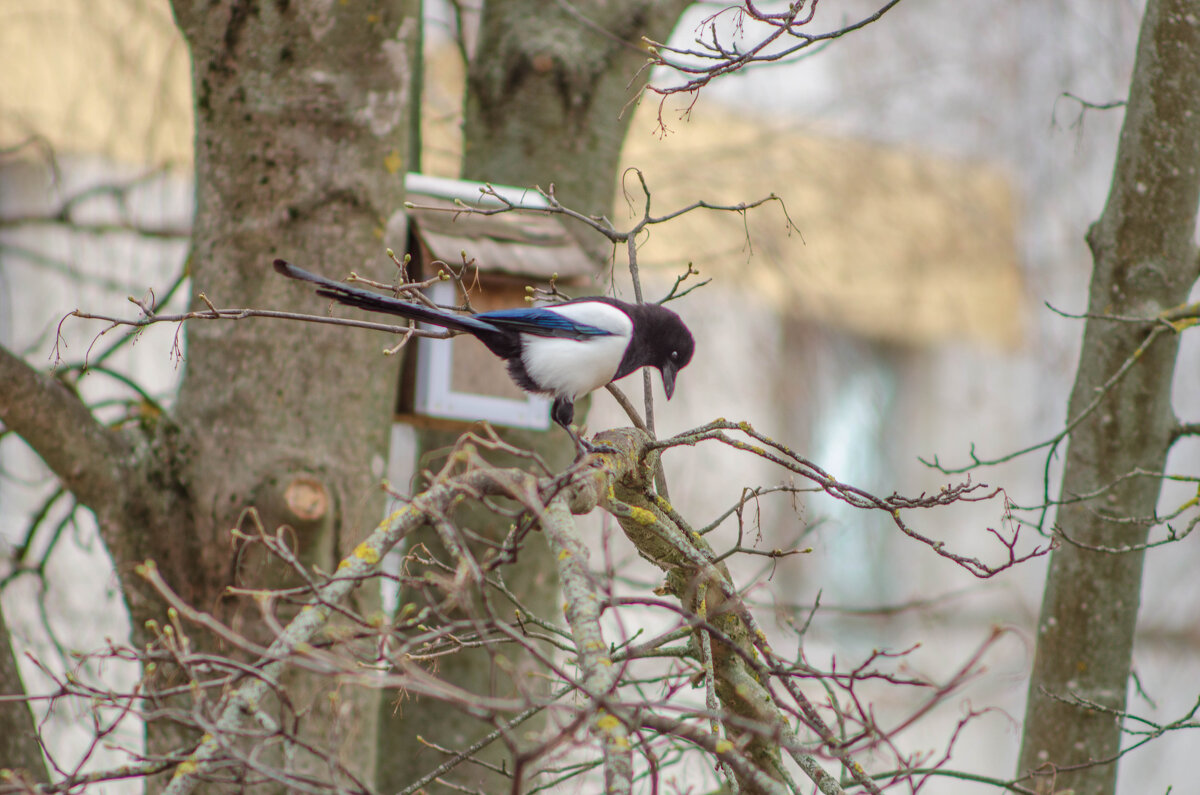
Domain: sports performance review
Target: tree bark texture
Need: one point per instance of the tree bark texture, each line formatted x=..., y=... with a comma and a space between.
x=300, y=133
x=301, y=112
x=1144, y=263
x=549, y=91
x=20, y=751
x=546, y=91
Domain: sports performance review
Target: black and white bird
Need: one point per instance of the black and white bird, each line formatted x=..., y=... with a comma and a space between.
x=565, y=350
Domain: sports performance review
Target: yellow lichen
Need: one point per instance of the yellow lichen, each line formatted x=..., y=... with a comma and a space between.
x=367, y=553
x=641, y=515
x=607, y=723
x=186, y=767
x=392, y=517
x=393, y=162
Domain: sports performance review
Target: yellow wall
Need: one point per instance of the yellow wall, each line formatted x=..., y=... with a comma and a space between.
x=890, y=244
x=106, y=77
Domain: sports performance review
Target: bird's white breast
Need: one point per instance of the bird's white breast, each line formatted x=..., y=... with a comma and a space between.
x=572, y=368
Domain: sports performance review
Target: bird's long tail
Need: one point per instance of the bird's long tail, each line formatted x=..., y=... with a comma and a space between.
x=364, y=299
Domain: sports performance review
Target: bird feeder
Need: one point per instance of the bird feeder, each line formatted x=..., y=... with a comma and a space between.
x=448, y=382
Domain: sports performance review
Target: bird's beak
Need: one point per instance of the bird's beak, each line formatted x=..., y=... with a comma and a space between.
x=668, y=377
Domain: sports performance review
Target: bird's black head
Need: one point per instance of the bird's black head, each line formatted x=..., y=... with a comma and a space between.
x=670, y=344
x=660, y=339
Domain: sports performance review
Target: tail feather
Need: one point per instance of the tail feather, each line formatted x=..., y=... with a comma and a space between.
x=373, y=302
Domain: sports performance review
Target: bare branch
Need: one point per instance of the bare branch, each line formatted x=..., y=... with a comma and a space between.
x=1071, y=425
x=583, y=615
x=752, y=695
x=781, y=39
x=89, y=458
x=242, y=314
x=893, y=505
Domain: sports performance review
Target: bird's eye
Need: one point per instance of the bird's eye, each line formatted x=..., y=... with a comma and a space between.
x=674, y=355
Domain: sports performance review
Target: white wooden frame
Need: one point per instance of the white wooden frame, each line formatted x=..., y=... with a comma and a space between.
x=435, y=397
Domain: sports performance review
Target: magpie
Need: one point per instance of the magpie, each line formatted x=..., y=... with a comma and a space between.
x=565, y=350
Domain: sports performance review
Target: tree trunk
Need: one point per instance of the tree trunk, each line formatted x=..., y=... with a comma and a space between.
x=300, y=111
x=1145, y=263
x=19, y=748
x=549, y=91
x=545, y=95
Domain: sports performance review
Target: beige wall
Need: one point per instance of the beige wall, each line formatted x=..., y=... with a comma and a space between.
x=106, y=77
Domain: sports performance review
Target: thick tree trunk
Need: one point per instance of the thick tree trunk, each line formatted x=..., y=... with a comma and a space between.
x=300, y=114
x=545, y=96
x=19, y=748
x=1145, y=262
x=549, y=90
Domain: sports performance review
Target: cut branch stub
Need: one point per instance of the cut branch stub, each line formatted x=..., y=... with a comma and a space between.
x=299, y=499
x=287, y=532
x=306, y=499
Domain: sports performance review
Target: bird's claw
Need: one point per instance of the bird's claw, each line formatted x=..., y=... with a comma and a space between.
x=584, y=448
x=601, y=447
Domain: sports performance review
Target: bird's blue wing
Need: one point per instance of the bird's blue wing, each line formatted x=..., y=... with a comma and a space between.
x=542, y=322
